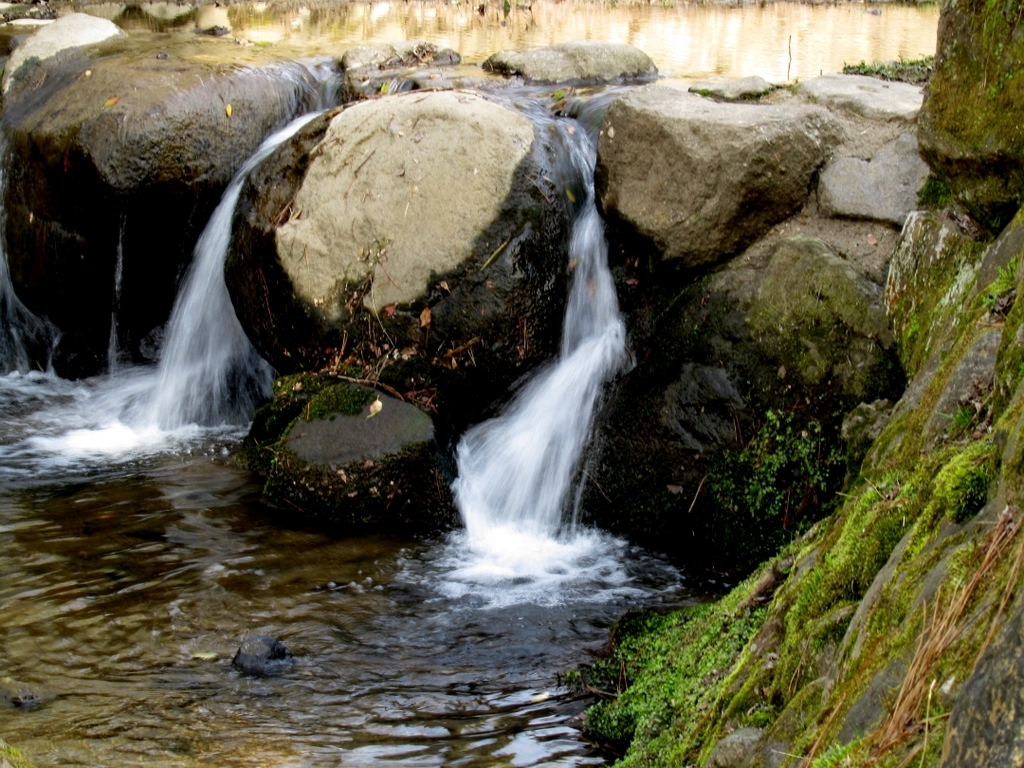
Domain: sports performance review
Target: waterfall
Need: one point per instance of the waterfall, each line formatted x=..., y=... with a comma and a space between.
x=113, y=350
x=26, y=341
x=209, y=373
x=516, y=471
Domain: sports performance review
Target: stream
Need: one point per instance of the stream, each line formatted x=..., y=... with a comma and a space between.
x=135, y=556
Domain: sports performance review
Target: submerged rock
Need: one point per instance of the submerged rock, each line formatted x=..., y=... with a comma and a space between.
x=128, y=154
x=262, y=655
x=348, y=457
x=884, y=188
x=865, y=96
x=68, y=32
x=701, y=180
x=578, y=62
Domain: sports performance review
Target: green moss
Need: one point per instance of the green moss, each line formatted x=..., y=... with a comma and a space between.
x=342, y=398
x=11, y=756
x=962, y=485
x=904, y=70
x=935, y=194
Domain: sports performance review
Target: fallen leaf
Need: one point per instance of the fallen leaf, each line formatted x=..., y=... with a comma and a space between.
x=375, y=408
x=228, y=110
x=872, y=240
x=444, y=286
x=204, y=655
x=389, y=310
x=540, y=697
x=570, y=195
x=632, y=281
x=674, y=489
x=111, y=101
x=425, y=318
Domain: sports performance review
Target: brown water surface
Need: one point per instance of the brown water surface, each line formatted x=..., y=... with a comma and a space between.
x=780, y=41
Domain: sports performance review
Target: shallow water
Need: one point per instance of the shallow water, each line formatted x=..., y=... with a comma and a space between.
x=114, y=591
x=780, y=41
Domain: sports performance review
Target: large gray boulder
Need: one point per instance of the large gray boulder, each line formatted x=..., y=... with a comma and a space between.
x=866, y=96
x=701, y=180
x=75, y=30
x=577, y=62
x=419, y=221
x=986, y=726
x=127, y=154
x=883, y=188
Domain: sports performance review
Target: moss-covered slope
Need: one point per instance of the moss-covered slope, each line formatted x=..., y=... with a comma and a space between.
x=860, y=643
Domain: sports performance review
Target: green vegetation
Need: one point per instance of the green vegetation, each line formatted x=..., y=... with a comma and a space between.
x=776, y=486
x=869, y=623
x=9, y=756
x=935, y=194
x=904, y=70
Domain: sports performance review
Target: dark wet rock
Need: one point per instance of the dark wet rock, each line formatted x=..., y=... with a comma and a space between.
x=577, y=62
x=396, y=67
x=703, y=406
x=733, y=88
x=866, y=96
x=970, y=124
x=798, y=331
x=214, y=31
x=17, y=694
x=349, y=457
x=262, y=655
x=862, y=426
x=884, y=188
x=719, y=177
x=734, y=750
x=128, y=153
x=69, y=32
x=457, y=268
x=970, y=383
x=986, y=727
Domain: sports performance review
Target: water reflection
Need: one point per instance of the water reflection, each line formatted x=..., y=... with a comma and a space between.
x=779, y=41
x=123, y=600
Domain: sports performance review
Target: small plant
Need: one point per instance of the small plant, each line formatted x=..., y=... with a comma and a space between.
x=961, y=486
x=996, y=295
x=904, y=70
x=935, y=193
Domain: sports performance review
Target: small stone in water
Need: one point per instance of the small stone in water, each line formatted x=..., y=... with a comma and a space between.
x=262, y=655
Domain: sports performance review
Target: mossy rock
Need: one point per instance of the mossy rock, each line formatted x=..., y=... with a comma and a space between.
x=971, y=126
x=348, y=457
x=821, y=319
x=11, y=757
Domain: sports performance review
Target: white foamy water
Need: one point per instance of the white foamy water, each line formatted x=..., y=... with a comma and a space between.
x=517, y=471
x=203, y=391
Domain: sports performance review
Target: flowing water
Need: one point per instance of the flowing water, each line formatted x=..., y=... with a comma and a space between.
x=134, y=557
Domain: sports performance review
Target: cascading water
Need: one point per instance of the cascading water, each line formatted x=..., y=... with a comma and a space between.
x=25, y=340
x=205, y=387
x=516, y=471
x=209, y=372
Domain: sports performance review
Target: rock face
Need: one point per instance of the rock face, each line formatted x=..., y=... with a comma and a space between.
x=701, y=180
x=72, y=31
x=578, y=63
x=348, y=457
x=420, y=221
x=985, y=725
x=866, y=96
x=884, y=188
x=262, y=655
x=131, y=159
x=971, y=123
x=734, y=749
x=797, y=331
